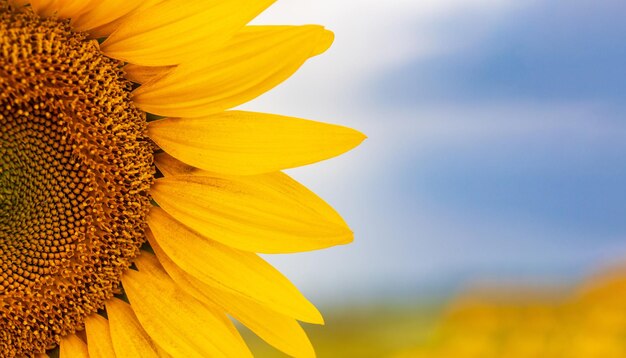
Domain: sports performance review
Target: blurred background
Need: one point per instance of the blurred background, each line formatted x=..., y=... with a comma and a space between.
x=491, y=188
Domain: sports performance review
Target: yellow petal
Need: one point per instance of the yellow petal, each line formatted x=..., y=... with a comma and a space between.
x=127, y=335
x=256, y=213
x=302, y=194
x=171, y=32
x=182, y=325
x=105, y=30
x=170, y=166
x=245, y=143
x=143, y=74
x=236, y=271
x=73, y=347
x=74, y=8
x=62, y=8
x=99, y=337
x=253, y=62
x=42, y=7
x=103, y=13
x=281, y=331
x=19, y=3
x=108, y=28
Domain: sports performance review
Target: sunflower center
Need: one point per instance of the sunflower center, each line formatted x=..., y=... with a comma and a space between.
x=75, y=171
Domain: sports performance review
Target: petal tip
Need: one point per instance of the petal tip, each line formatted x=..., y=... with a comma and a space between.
x=359, y=137
x=344, y=239
x=316, y=318
x=324, y=41
x=348, y=238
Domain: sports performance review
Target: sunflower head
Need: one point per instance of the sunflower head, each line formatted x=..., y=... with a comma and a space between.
x=75, y=171
x=78, y=189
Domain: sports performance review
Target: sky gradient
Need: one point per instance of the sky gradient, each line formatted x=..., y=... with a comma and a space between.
x=496, y=141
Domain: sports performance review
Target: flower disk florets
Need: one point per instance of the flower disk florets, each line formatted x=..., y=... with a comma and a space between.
x=75, y=172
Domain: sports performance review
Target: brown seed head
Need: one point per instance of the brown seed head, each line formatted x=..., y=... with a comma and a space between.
x=75, y=171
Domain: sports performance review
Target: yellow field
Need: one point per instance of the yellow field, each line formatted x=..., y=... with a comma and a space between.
x=364, y=332
x=586, y=321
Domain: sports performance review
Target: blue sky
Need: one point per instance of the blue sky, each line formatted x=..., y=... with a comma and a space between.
x=553, y=53
x=496, y=140
x=555, y=50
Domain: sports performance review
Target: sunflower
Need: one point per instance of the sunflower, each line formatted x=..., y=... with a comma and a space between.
x=133, y=199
